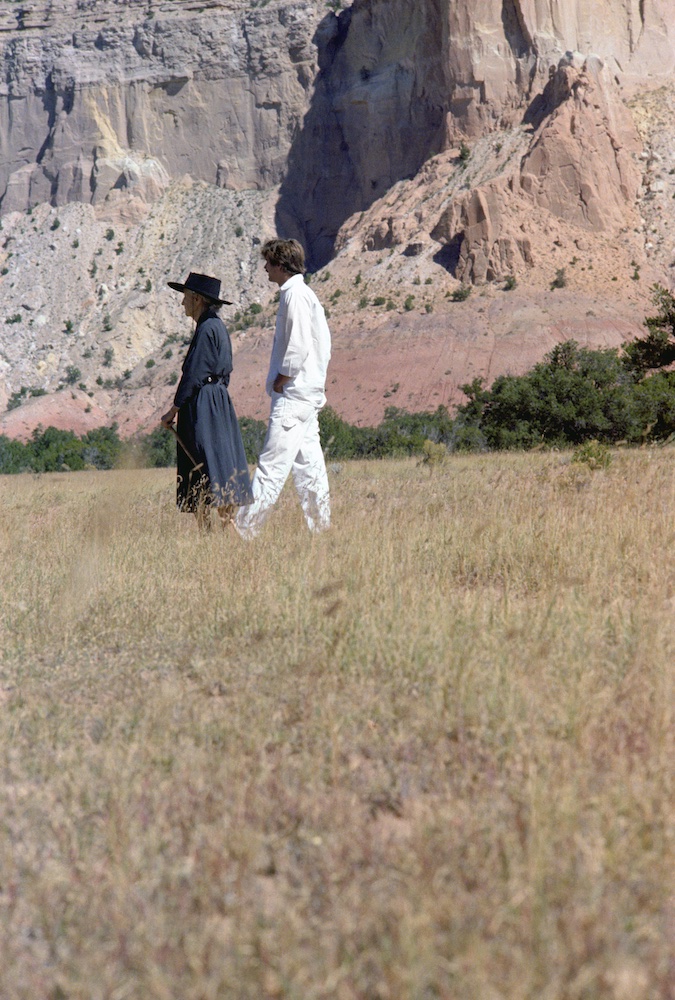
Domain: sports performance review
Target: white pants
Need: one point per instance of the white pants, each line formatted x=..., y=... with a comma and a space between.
x=291, y=445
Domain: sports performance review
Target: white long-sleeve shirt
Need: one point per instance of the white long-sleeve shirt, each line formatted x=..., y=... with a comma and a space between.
x=301, y=347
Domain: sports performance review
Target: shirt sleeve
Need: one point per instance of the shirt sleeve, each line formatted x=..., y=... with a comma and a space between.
x=297, y=336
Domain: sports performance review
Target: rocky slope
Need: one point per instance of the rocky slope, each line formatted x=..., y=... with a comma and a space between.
x=416, y=149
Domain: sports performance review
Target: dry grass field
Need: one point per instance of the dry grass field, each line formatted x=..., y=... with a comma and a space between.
x=426, y=756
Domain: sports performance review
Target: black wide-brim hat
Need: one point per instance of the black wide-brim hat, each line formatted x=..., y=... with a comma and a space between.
x=201, y=284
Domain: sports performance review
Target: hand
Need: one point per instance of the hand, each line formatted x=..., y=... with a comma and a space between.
x=169, y=417
x=280, y=381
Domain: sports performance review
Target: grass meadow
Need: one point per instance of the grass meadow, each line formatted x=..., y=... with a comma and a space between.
x=425, y=756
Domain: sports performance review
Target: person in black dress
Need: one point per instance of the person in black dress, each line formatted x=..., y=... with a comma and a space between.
x=212, y=467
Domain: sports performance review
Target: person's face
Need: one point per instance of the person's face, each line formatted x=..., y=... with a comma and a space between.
x=192, y=304
x=276, y=273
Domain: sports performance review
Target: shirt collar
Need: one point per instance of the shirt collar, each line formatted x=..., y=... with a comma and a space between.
x=294, y=279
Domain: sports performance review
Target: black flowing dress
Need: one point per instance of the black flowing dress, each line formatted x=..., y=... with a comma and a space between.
x=207, y=424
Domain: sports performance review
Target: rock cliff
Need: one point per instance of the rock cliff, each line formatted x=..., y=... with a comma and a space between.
x=438, y=143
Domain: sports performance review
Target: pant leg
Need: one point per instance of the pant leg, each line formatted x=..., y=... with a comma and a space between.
x=311, y=479
x=285, y=432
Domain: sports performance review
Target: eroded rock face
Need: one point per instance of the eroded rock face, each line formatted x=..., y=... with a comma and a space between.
x=580, y=167
x=126, y=95
x=104, y=97
x=407, y=143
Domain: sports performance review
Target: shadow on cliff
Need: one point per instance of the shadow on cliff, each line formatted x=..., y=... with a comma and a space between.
x=366, y=129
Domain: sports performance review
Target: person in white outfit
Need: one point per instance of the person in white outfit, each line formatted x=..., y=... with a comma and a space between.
x=296, y=384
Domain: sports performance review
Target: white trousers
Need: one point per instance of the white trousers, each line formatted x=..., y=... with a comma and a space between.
x=291, y=445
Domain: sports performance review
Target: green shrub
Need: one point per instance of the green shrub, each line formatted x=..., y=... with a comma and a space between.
x=158, y=448
x=434, y=453
x=657, y=348
x=560, y=279
x=574, y=395
x=253, y=434
x=461, y=294
x=593, y=454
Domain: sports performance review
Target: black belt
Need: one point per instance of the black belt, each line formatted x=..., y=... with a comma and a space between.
x=211, y=379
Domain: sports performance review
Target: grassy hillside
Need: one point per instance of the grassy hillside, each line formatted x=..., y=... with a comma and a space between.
x=426, y=755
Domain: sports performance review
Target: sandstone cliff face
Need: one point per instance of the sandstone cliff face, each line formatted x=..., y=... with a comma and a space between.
x=109, y=96
x=194, y=130
x=105, y=97
x=401, y=82
x=580, y=168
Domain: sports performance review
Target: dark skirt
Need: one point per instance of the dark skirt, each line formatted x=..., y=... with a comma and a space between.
x=209, y=429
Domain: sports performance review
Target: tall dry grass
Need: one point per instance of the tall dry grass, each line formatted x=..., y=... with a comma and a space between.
x=426, y=755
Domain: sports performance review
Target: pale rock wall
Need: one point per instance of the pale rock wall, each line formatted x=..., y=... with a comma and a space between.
x=101, y=97
x=124, y=95
x=581, y=168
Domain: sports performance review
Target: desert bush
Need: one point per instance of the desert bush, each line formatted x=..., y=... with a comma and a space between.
x=158, y=448
x=16, y=398
x=433, y=454
x=253, y=434
x=592, y=454
x=573, y=395
x=656, y=349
